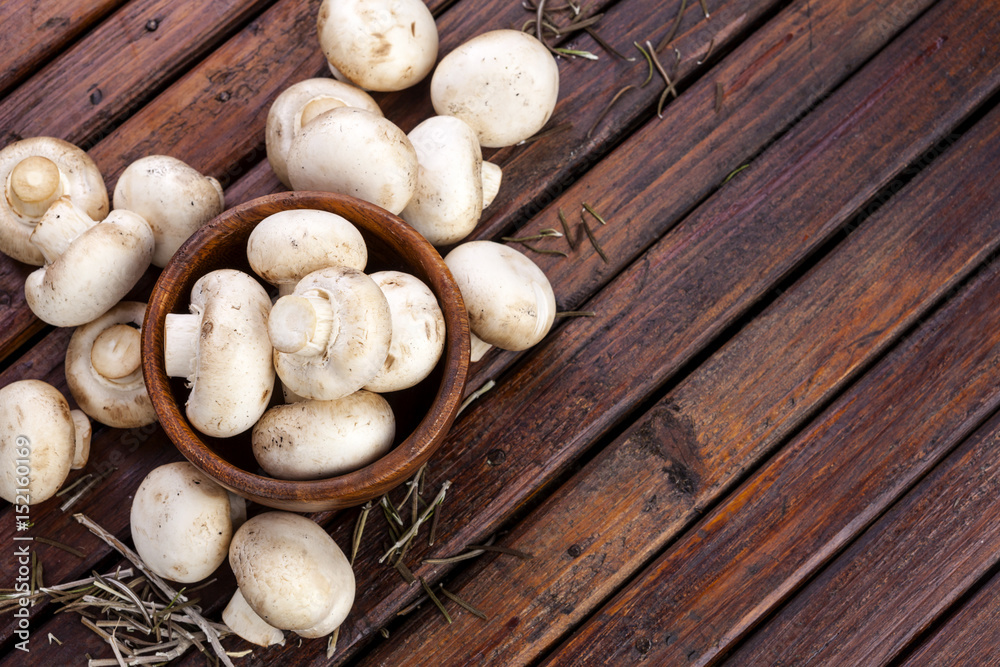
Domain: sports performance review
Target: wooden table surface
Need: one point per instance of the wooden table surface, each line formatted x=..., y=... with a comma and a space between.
x=774, y=442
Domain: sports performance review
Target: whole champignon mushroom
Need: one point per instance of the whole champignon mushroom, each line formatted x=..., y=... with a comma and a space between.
x=449, y=197
x=34, y=173
x=509, y=300
x=41, y=440
x=223, y=351
x=354, y=152
x=182, y=522
x=331, y=336
x=418, y=332
x=173, y=197
x=378, y=44
x=103, y=368
x=319, y=439
x=503, y=83
x=292, y=574
x=299, y=104
x=288, y=245
x=89, y=266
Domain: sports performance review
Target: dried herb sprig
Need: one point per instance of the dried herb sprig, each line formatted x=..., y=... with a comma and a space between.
x=576, y=313
x=666, y=78
x=555, y=129
x=435, y=600
x=597, y=216
x=412, y=530
x=211, y=633
x=708, y=54
x=359, y=529
x=463, y=604
x=542, y=234
x=59, y=545
x=606, y=110
x=489, y=384
x=593, y=241
x=673, y=31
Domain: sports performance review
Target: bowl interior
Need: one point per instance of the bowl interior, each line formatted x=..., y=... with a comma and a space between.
x=423, y=413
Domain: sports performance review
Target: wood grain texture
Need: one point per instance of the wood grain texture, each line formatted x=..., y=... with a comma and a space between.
x=969, y=638
x=117, y=67
x=36, y=30
x=901, y=575
x=643, y=489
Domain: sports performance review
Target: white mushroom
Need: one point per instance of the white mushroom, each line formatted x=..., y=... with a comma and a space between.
x=449, y=197
x=288, y=245
x=509, y=300
x=103, y=368
x=182, y=522
x=300, y=103
x=418, y=332
x=245, y=622
x=354, y=152
x=378, y=44
x=292, y=574
x=319, y=439
x=223, y=351
x=41, y=440
x=89, y=266
x=173, y=197
x=331, y=336
x=34, y=173
x=503, y=83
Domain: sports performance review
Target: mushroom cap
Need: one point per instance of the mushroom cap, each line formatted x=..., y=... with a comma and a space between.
x=291, y=572
x=288, y=245
x=300, y=103
x=418, y=332
x=79, y=178
x=118, y=398
x=233, y=377
x=359, y=337
x=181, y=522
x=94, y=273
x=37, y=441
x=355, y=152
x=378, y=44
x=319, y=439
x=448, y=200
x=503, y=83
x=510, y=301
x=173, y=197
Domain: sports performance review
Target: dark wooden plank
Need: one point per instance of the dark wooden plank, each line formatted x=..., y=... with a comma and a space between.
x=39, y=29
x=82, y=93
x=901, y=575
x=641, y=491
x=969, y=638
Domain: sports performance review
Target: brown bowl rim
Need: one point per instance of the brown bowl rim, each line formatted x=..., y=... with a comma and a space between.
x=352, y=488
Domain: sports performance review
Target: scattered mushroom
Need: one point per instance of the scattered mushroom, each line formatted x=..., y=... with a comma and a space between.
x=103, y=368
x=35, y=172
x=291, y=574
x=288, y=245
x=41, y=440
x=355, y=152
x=418, y=332
x=318, y=439
x=449, y=197
x=182, y=522
x=509, y=300
x=89, y=266
x=173, y=197
x=331, y=336
x=300, y=103
x=376, y=44
x=223, y=350
x=503, y=83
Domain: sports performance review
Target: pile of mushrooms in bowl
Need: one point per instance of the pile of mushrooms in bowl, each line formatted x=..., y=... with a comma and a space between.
x=423, y=413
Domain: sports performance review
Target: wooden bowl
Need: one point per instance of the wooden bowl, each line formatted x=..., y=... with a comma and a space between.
x=423, y=413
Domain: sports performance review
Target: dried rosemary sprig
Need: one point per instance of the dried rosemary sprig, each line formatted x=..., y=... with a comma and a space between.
x=673, y=31
x=408, y=535
x=576, y=313
x=590, y=209
x=593, y=241
x=463, y=604
x=489, y=384
x=566, y=233
x=435, y=600
x=359, y=529
x=607, y=109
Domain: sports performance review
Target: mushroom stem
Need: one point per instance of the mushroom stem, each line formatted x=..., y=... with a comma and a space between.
x=33, y=185
x=81, y=431
x=301, y=324
x=318, y=105
x=237, y=510
x=492, y=175
x=244, y=621
x=478, y=347
x=180, y=344
x=115, y=355
x=61, y=224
